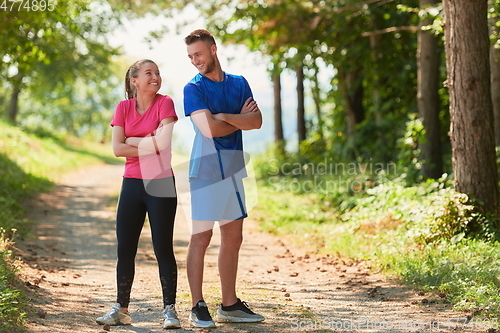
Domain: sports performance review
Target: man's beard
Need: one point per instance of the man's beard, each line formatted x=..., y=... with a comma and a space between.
x=209, y=67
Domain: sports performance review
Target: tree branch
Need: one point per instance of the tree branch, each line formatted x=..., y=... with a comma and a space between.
x=392, y=29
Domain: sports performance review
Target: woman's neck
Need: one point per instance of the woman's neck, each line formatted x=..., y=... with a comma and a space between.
x=143, y=102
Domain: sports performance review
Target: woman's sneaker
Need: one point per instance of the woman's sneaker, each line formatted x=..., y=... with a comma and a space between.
x=116, y=316
x=200, y=317
x=170, y=317
x=238, y=313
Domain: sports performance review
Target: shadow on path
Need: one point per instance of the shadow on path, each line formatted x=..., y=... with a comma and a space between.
x=70, y=270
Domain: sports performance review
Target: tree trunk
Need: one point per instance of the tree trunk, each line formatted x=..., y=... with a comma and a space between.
x=374, y=42
x=14, y=105
x=495, y=90
x=278, y=124
x=14, y=98
x=352, y=87
x=471, y=110
x=495, y=78
x=301, y=121
x=316, y=95
x=428, y=99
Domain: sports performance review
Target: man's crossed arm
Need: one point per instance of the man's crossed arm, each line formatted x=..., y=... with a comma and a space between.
x=221, y=124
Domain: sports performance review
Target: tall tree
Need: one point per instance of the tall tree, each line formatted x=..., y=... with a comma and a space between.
x=368, y=42
x=428, y=58
x=495, y=66
x=278, y=122
x=351, y=84
x=316, y=96
x=472, y=132
x=301, y=120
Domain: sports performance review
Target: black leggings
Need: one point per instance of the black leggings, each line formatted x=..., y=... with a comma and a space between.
x=135, y=200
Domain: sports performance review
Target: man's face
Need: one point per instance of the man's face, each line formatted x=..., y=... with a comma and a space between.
x=202, y=56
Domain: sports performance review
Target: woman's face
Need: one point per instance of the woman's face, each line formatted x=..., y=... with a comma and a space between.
x=148, y=78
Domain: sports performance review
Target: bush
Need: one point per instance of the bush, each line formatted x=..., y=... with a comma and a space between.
x=465, y=271
x=11, y=298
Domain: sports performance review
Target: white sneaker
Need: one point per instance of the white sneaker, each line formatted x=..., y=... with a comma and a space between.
x=170, y=316
x=116, y=316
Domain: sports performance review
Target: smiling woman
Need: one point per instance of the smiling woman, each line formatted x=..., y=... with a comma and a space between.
x=142, y=132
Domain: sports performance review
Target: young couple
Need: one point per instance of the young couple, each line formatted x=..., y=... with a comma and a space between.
x=220, y=106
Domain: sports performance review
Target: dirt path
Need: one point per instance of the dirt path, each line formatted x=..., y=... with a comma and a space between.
x=70, y=271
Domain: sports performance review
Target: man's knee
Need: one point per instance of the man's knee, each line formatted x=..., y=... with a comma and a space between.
x=201, y=239
x=232, y=240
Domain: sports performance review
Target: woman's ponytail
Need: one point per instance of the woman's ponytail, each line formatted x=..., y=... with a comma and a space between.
x=129, y=89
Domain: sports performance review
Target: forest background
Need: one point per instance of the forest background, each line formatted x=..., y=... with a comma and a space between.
x=396, y=119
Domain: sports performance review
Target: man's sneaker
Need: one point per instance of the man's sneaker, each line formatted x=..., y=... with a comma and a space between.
x=238, y=313
x=200, y=317
x=170, y=316
x=116, y=316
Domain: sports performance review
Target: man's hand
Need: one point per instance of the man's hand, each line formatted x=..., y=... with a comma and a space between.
x=250, y=117
x=250, y=105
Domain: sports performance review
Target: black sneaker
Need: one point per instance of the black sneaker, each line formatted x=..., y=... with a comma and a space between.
x=200, y=317
x=238, y=313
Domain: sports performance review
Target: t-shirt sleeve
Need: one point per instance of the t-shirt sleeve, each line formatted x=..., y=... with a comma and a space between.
x=193, y=99
x=248, y=90
x=119, y=116
x=167, y=108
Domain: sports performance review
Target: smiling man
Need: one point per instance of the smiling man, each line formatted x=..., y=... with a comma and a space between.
x=220, y=105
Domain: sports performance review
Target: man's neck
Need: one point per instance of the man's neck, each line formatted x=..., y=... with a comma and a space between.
x=216, y=75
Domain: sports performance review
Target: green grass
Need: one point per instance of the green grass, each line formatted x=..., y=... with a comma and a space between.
x=413, y=233
x=465, y=272
x=11, y=298
x=31, y=161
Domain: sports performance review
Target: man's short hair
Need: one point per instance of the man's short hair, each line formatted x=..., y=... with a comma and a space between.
x=200, y=34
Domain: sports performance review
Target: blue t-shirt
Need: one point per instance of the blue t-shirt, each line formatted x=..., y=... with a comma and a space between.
x=222, y=157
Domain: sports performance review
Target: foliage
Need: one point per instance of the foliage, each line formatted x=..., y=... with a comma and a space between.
x=465, y=272
x=11, y=299
x=426, y=234
x=58, y=65
x=58, y=44
x=15, y=186
x=408, y=150
x=371, y=46
x=47, y=155
x=49, y=51
x=457, y=218
x=30, y=160
x=82, y=107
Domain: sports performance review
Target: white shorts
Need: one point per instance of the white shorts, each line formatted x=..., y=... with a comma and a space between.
x=217, y=200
